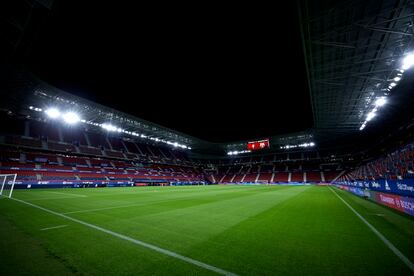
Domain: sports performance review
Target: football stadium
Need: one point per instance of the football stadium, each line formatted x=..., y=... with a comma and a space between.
x=211, y=139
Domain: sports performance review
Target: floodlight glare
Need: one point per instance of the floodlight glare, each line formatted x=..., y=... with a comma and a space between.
x=52, y=113
x=109, y=127
x=408, y=62
x=71, y=118
x=370, y=116
x=381, y=101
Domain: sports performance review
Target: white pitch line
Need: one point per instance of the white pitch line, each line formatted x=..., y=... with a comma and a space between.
x=50, y=198
x=118, y=207
x=135, y=241
x=379, y=215
x=67, y=194
x=54, y=227
x=103, y=208
x=384, y=239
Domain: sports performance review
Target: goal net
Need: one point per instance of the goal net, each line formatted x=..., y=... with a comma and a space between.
x=7, y=184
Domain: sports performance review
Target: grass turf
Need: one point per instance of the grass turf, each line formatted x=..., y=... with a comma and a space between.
x=243, y=229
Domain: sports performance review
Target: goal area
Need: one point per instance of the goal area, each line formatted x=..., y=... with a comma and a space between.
x=7, y=184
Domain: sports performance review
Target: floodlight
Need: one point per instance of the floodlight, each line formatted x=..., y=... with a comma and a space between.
x=52, y=113
x=370, y=116
x=380, y=101
x=109, y=127
x=393, y=84
x=71, y=118
x=397, y=78
x=408, y=62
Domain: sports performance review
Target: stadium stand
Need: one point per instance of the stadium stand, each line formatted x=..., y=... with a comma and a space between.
x=395, y=165
x=63, y=153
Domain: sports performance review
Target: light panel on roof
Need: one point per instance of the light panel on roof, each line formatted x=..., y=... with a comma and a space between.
x=53, y=112
x=71, y=117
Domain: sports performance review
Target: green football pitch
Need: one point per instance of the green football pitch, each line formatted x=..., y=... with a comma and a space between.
x=197, y=230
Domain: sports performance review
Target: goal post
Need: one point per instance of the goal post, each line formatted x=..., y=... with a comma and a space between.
x=7, y=184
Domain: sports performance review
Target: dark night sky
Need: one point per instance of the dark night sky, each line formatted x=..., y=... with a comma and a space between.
x=208, y=71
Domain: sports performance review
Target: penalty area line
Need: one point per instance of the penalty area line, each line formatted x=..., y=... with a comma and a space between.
x=392, y=247
x=135, y=241
x=54, y=227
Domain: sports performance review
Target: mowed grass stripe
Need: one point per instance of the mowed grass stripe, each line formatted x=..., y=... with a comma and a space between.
x=38, y=194
x=311, y=233
x=81, y=249
x=199, y=199
x=70, y=194
x=153, y=195
x=178, y=225
x=243, y=229
x=396, y=226
x=391, y=246
x=138, y=242
x=238, y=191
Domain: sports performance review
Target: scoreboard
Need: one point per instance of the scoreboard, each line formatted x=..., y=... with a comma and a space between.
x=258, y=145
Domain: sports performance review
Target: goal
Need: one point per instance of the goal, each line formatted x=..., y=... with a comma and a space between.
x=7, y=184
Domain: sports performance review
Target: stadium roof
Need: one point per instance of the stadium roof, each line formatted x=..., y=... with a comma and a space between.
x=213, y=74
x=353, y=52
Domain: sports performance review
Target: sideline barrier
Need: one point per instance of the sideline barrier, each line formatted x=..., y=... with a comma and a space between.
x=401, y=203
x=404, y=187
